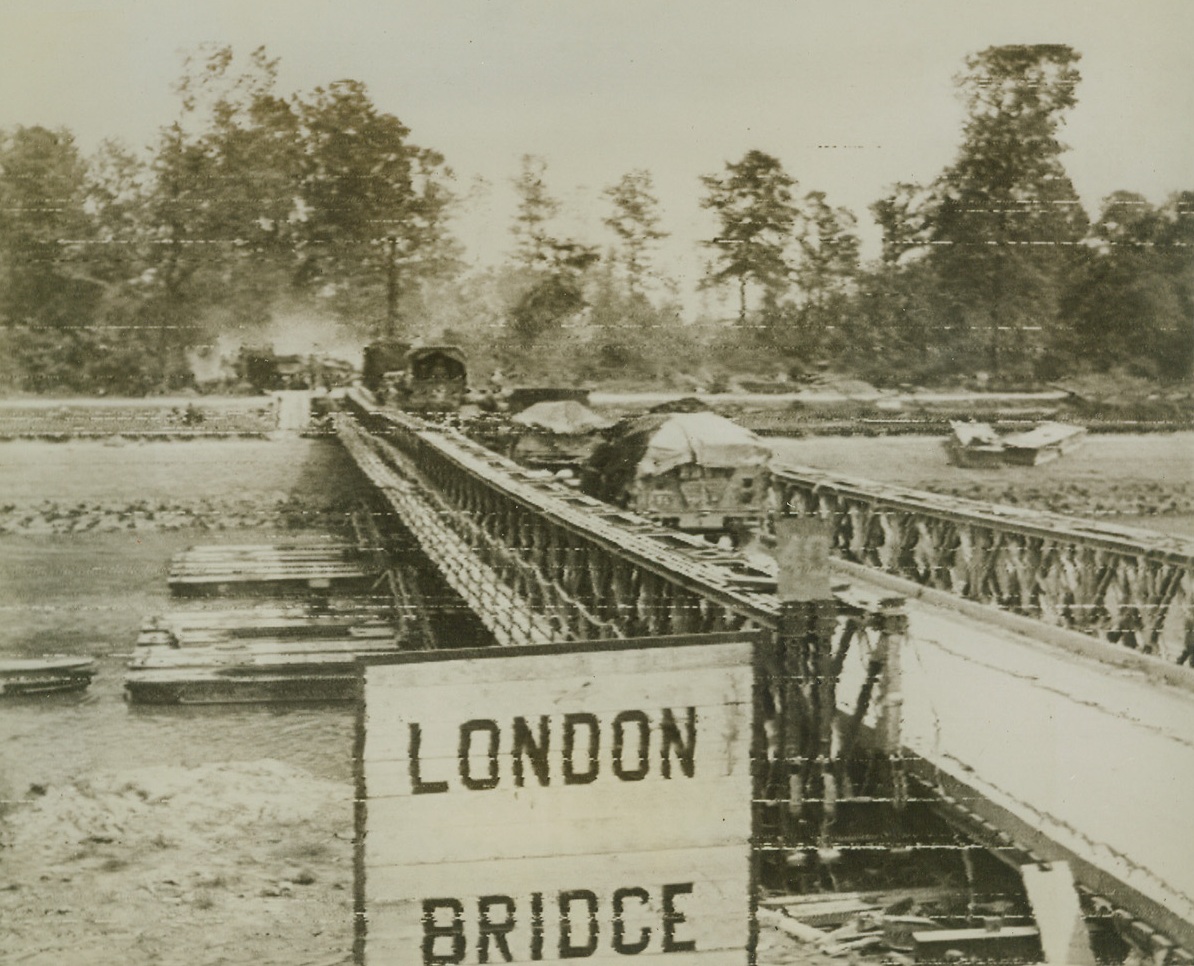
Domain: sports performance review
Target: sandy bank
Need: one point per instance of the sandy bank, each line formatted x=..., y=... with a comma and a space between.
x=221, y=863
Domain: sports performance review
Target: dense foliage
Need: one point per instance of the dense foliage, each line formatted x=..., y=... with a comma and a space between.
x=254, y=207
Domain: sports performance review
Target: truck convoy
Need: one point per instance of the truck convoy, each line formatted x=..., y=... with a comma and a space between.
x=695, y=471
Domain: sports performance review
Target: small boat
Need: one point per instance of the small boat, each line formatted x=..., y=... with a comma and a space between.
x=974, y=445
x=1042, y=444
x=44, y=675
x=977, y=446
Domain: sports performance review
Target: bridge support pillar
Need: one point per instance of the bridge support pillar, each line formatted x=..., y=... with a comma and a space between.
x=807, y=621
x=809, y=697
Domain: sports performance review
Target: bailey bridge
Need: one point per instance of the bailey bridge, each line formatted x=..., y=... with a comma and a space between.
x=1027, y=672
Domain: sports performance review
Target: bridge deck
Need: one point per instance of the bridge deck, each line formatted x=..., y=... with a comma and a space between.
x=1095, y=760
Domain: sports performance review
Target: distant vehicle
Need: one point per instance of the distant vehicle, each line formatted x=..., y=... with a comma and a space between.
x=427, y=379
x=556, y=435
x=258, y=366
x=437, y=379
x=523, y=397
x=267, y=371
x=695, y=471
x=380, y=358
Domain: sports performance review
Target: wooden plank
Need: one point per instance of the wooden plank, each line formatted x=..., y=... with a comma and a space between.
x=646, y=741
x=802, y=557
x=268, y=614
x=278, y=629
x=151, y=657
x=169, y=658
x=711, y=904
x=1058, y=914
x=244, y=563
x=307, y=577
x=266, y=566
x=450, y=820
x=512, y=666
x=252, y=547
x=596, y=821
x=312, y=554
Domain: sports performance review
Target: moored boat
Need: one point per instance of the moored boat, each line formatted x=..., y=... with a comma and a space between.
x=44, y=675
x=977, y=446
x=974, y=445
x=1042, y=444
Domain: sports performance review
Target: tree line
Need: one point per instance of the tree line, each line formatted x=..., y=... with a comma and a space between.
x=253, y=204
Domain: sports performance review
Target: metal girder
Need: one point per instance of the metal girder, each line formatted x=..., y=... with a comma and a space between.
x=1129, y=587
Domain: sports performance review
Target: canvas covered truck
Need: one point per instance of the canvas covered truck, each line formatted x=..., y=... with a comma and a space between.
x=425, y=379
x=555, y=435
x=695, y=471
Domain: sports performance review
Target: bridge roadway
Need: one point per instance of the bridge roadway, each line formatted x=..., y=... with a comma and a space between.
x=1047, y=741
x=1074, y=758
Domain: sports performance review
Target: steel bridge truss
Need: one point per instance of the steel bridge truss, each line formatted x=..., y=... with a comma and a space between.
x=1131, y=588
x=539, y=563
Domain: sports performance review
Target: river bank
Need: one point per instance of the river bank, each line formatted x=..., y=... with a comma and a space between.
x=239, y=862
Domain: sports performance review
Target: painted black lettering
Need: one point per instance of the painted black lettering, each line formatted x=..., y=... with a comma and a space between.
x=567, y=898
x=685, y=746
x=571, y=775
x=433, y=931
x=497, y=929
x=641, y=747
x=417, y=785
x=673, y=918
x=621, y=946
x=536, y=926
x=526, y=745
x=467, y=730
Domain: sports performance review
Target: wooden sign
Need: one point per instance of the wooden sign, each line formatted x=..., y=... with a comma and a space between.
x=802, y=555
x=541, y=804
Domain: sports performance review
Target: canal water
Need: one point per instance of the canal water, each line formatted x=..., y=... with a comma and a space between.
x=87, y=594
x=129, y=509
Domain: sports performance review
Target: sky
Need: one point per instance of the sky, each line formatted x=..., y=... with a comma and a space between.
x=851, y=95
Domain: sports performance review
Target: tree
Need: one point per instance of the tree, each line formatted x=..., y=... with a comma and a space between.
x=635, y=220
x=260, y=198
x=1131, y=304
x=1004, y=216
x=828, y=264
x=904, y=217
x=44, y=231
x=555, y=267
x=222, y=198
x=756, y=214
x=536, y=209
x=374, y=206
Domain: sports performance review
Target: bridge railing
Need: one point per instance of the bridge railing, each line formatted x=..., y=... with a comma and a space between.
x=1130, y=587
x=540, y=563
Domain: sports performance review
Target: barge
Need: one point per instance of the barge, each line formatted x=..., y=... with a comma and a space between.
x=44, y=675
